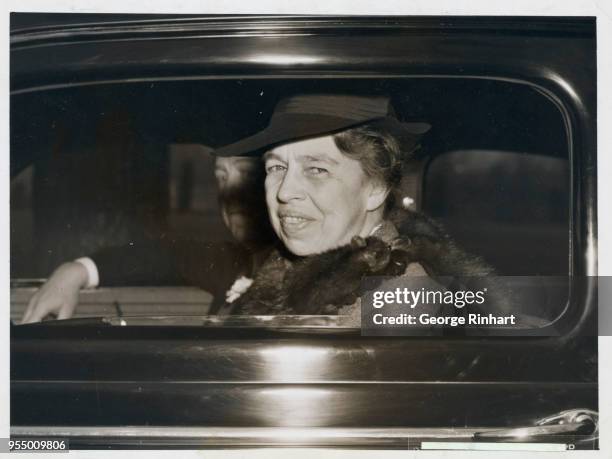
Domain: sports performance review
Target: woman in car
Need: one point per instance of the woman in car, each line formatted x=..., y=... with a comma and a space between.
x=333, y=165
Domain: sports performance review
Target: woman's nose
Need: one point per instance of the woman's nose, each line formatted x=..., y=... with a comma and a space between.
x=290, y=187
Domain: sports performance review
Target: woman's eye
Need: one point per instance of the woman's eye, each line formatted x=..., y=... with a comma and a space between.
x=316, y=170
x=273, y=168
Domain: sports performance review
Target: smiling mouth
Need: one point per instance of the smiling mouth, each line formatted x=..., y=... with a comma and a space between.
x=292, y=223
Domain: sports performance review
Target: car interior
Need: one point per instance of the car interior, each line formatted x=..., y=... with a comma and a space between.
x=101, y=165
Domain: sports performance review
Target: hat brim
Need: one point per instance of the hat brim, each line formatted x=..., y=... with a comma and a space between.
x=294, y=127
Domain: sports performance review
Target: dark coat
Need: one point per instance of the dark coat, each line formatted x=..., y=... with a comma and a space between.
x=212, y=266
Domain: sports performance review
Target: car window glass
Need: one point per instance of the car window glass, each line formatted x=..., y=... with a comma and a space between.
x=112, y=165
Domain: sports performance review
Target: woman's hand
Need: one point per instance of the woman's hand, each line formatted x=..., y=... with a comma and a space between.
x=59, y=295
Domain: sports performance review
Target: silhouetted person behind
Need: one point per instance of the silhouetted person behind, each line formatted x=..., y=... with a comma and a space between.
x=211, y=266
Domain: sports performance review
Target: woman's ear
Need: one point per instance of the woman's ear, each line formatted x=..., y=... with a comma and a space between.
x=378, y=195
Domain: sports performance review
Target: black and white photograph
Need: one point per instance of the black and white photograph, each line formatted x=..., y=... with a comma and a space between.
x=374, y=232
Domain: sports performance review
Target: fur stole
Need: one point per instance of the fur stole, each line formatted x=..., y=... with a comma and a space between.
x=325, y=282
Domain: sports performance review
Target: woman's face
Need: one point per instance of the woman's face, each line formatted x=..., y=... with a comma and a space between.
x=317, y=197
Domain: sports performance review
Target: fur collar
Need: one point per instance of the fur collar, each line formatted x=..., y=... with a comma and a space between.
x=323, y=283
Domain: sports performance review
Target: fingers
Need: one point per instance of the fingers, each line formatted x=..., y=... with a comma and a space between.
x=38, y=310
x=37, y=315
x=43, y=303
x=35, y=311
x=65, y=311
x=27, y=316
x=28, y=312
x=59, y=295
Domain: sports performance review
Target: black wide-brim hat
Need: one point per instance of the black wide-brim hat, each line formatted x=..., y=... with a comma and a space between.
x=310, y=115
